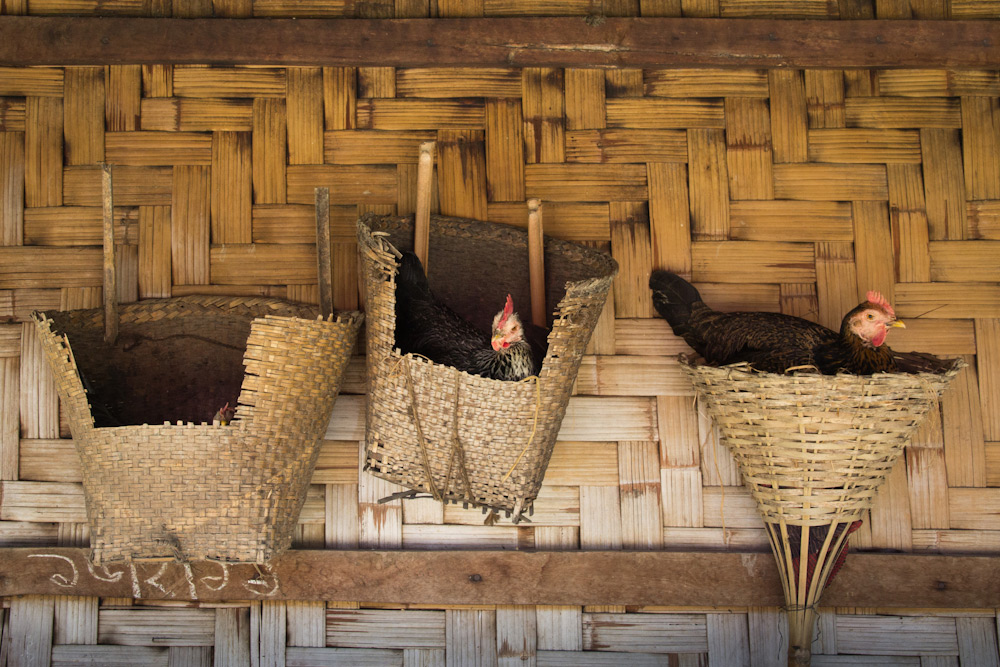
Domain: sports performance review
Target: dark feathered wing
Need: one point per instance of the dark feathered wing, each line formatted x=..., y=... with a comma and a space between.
x=771, y=342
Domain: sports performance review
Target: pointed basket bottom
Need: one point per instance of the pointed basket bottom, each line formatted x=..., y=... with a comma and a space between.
x=813, y=450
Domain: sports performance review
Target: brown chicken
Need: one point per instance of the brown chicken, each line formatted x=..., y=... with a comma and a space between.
x=774, y=342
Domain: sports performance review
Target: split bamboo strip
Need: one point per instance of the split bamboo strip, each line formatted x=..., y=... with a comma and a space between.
x=728, y=639
x=374, y=147
x=157, y=627
x=776, y=220
x=981, y=147
x=183, y=114
x=944, y=184
x=12, y=166
x=748, y=148
x=947, y=300
x=376, y=82
x=31, y=629
x=380, y=520
x=682, y=497
x=863, y=146
x=909, y=222
x=585, y=99
x=123, y=106
x=340, y=86
x=830, y=182
x=937, y=336
x=927, y=478
x=349, y=184
x=190, y=208
x=630, y=236
x=623, y=375
x=12, y=114
x=77, y=226
x=668, y=216
x=890, y=521
x=461, y=161
x=48, y=460
x=31, y=82
x=709, y=184
x=154, y=252
x=231, y=177
x=964, y=261
x=585, y=182
x=517, y=635
x=304, y=99
x=639, y=483
x=825, y=98
x=836, y=282
x=134, y=186
x=439, y=82
x=54, y=502
x=215, y=82
x=873, y=249
x=647, y=113
x=642, y=633
x=988, y=359
x=24, y=267
x=157, y=81
x=75, y=620
x=43, y=151
x=693, y=83
x=789, y=121
x=263, y=264
x=296, y=223
x=10, y=394
x=420, y=114
x=346, y=281
x=542, y=100
x=736, y=261
x=84, y=110
x=902, y=112
x=471, y=635
x=504, y=150
x=269, y=146
x=800, y=300
x=626, y=145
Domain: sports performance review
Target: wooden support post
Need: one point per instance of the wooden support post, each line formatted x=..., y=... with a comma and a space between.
x=110, y=277
x=323, y=256
x=421, y=223
x=536, y=262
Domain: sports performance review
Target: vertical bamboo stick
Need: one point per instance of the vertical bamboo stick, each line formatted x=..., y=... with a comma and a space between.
x=110, y=281
x=325, y=268
x=536, y=262
x=421, y=224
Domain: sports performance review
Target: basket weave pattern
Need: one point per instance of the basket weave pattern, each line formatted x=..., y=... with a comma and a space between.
x=190, y=491
x=813, y=449
x=457, y=436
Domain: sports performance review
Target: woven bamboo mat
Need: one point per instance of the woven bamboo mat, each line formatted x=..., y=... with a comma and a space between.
x=792, y=191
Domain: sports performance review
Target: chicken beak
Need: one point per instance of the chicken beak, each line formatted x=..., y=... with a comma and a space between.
x=495, y=343
x=897, y=323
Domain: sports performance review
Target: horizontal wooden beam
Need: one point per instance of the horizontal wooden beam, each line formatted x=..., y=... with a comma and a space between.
x=509, y=577
x=503, y=42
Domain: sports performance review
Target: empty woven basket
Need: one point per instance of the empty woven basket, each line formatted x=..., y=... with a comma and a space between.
x=813, y=449
x=161, y=480
x=456, y=436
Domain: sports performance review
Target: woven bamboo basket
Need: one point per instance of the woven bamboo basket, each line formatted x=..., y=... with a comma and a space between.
x=456, y=436
x=161, y=480
x=813, y=450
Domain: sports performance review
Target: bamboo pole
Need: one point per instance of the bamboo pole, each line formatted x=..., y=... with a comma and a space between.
x=421, y=223
x=323, y=257
x=536, y=262
x=110, y=278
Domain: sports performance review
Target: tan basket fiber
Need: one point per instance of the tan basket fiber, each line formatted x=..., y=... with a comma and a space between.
x=813, y=449
x=186, y=490
x=456, y=436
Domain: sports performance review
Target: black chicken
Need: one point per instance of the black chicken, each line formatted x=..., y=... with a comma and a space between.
x=774, y=342
x=428, y=327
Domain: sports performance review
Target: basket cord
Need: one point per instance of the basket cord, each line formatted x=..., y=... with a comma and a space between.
x=420, y=434
x=534, y=425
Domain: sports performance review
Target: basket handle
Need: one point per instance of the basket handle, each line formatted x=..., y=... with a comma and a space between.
x=422, y=218
x=110, y=277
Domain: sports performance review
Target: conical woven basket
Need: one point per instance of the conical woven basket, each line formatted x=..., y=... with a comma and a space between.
x=456, y=436
x=813, y=450
x=161, y=481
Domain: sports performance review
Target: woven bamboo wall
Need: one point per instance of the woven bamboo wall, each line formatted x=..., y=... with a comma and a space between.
x=791, y=191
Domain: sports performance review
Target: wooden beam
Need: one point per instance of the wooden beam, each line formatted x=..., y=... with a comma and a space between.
x=508, y=577
x=504, y=42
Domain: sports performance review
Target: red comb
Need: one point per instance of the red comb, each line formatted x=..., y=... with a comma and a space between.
x=879, y=300
x=508, y=310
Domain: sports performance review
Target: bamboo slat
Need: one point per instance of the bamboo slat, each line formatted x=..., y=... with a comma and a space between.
x=39, y=267
x=177, y=114
x=981, y=147
x=36, y=81
x=729, y=507
x=630, y=236
x=504, y=150
x=585, y=102
x=626, y=375
x=373, y=147
x=306, y=623
x=863, y=146
x=642, y=633
x=830, y=182
x=10, y=391
x=231, y=179
x=909, y=222
x=30, y=629
x=190, y=226
x=648, y=113
x=789, y=119
x=902, y=112
x=133, y=186
x=215, y=82
x=776, y=262
x=55, y=502
x=461, y=160
x=983, y=218
x=600, y=518
x=873, y=249
x=438, y=536
x=782, y=220
x=559, y=628
x=12, y=166
x=709, y=184
x=585, y=182
x=682, y=497
x=157, y=627
x=748, y=148
x=517, y=635
x=887, y=635
x=890, y=521
x=77, y=226
x=964, y=261
x=123, y=107
x=269, y=147
x=836, y=282
x=696, y=83
x=563, y=220
x=340, y=98
x=47, y=460
x=927, y=477
x=728, y=639
x=378, y=113
x=154, y=252
x=439, y=82
x=962, y=422
x=12, y=114
x=944, y=184
x=349, y=184
x=110, y=656
x=304, y=100
x=43, y=151
x=626, y=145
x=668, y=216
x=589, y=464
x=988, y=359
x=639, y=483
x=263, y=264
x=157, y=80
x=84, y=110
x=947, y=300
x=341, y=527
x=542, y=103
x=471, y=636
x=380, y=523
x=825, y=98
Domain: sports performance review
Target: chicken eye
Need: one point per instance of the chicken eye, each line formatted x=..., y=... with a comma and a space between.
x=871, y=316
